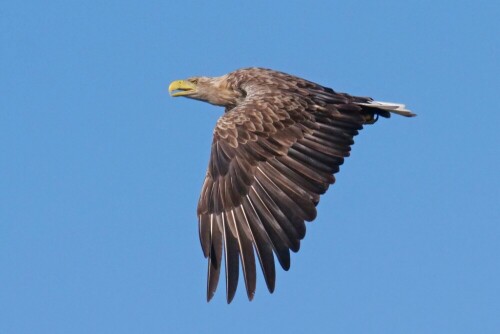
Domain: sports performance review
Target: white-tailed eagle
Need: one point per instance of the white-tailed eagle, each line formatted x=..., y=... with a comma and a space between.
x=274, y=152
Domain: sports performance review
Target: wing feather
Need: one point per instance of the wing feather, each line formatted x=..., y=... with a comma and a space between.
x=231, y=251
x=278, y=238
x=245, y=241
x=262, y=242
x=302, y=181
x=301, y=199
x=272, y=157
x=215, y=256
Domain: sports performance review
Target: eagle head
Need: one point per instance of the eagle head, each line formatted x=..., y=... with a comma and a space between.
x=215, y=90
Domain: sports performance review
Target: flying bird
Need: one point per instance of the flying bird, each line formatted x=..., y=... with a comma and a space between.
x=274, y=152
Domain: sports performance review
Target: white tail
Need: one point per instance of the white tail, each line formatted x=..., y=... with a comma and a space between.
x=392, y=107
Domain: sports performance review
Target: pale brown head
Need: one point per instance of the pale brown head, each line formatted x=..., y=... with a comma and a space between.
x=214, y=90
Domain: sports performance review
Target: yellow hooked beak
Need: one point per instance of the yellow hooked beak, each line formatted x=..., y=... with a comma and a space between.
x=181, y=87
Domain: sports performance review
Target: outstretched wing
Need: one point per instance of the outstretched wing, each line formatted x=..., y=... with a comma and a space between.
x=272, y=157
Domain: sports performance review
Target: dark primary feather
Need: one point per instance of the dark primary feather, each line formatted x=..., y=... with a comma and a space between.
x=272, y=157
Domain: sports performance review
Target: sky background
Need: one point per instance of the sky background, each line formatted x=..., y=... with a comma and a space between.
x=100, y=170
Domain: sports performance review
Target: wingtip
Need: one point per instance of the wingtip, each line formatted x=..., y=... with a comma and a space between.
x=230, y=296
x=270, y=287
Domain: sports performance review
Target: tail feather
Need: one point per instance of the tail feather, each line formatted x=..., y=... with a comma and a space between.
x=389, y=107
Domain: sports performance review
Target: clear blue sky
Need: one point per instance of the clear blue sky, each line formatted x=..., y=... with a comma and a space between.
x=100, y=170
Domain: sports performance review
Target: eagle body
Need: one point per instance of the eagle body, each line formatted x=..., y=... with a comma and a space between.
x=275, y=150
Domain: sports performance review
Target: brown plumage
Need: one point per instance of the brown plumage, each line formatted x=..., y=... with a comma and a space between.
x=274, y=152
